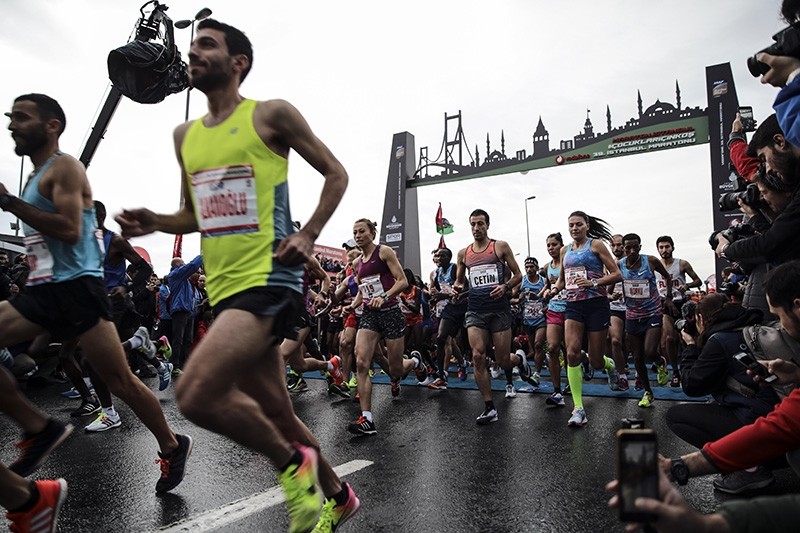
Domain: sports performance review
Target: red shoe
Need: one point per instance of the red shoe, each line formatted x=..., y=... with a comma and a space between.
x=43, y=516
x=395, y=388
x=336, y=373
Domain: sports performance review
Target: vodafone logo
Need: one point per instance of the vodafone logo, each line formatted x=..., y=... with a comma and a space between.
x=559, y=160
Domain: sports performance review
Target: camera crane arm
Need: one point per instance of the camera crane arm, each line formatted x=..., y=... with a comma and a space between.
x=147, y=30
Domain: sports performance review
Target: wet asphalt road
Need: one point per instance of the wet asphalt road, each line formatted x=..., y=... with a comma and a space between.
x=433, y=469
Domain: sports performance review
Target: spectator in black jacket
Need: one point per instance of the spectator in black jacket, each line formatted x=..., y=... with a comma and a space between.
x=709, y=368
x=778, y=243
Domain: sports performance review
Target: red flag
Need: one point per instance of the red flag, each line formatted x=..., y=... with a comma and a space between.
x=178, y=246
x=439, y=218
x=441, y=242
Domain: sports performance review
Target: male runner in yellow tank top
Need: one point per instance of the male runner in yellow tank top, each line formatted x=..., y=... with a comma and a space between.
x=234, y=183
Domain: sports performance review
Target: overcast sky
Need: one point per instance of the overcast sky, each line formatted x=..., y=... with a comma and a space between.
x=361, y=71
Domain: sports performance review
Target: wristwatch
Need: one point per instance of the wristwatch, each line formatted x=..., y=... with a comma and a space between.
x=594, y=283
x=5, y=201
x=679, y=471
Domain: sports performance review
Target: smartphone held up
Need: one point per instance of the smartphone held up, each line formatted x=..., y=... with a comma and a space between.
x=637, y=472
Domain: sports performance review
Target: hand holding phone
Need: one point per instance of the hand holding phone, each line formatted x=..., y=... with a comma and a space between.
x=758, y=369
x=637, y=472
x=746, y=118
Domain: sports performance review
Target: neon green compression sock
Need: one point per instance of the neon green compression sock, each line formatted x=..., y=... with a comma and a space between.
x=575, y=378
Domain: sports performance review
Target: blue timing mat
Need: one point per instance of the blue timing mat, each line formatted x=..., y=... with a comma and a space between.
x=598, y=386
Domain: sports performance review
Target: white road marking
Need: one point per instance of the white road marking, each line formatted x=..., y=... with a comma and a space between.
x=235, y=511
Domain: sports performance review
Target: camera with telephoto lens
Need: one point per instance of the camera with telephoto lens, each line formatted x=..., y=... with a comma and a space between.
x=732, y=233
x=687, y=322
x=750, y=195
x=787, y=43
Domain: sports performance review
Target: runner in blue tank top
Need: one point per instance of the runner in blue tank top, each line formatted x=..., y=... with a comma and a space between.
x=583, y=277
x=533, y=313
x=642, y=308
x=66, y=297
x=493, y=273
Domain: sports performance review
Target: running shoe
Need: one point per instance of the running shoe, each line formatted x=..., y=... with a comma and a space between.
x=291, y=379
x=588, y=369
x=362, y=426
x=73, y=393
x=164, y=375
x=173, y=466
x=613, y=378
x=495, y=372
x=147, y=347
x=165, y=348
x=676, y=381
x=638, y=385
x=535, y=379
x=299, y=385
x=438, y=384
x=303, y=498
x=578, y=418
x=510, y=391
x=420, y=370
x=556, y=399
x=463, y=372
x=87, y=408
x=35, y=448
x=662, y=373
x=43, y=516
x=647, y=400
x=487, y=417
x=103, y=423
x=425, y=382
x=524, y=369
x=353, y=383
x=339, y=390
x=334, y=515
x=395, y=388
x=336, y=373
x=6, y=359
x=623, y=382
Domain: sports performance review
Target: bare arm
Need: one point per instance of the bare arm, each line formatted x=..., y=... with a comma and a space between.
x=461, y=271
x=658, y=266
x=613, y=274
x=68, y=189
x=279, y=122
x=505, y=254
x=142, y=221
x=687, y=269
x=400, y=283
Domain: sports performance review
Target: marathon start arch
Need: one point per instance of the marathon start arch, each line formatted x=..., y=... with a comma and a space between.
x=660, y=126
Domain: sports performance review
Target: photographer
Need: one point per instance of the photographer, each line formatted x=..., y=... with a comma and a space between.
x=709, y=368
x=776, y=244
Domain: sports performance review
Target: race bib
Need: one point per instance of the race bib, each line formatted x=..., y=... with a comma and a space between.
x=445, y=288
x=40, y=260
x=484, y=276
x=638, y=289
x=226, y=200
x=533, y=309
x=571, y=275
x=371, y=287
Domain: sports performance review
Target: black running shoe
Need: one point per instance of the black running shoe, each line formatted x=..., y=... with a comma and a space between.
x=173, y=466
x=36, y=448
x=87, y=408
x=362, y=426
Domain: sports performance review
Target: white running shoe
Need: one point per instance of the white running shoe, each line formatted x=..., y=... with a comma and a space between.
x=103, y=423
x=510, y=391
x=578, y=418
x=147, y=347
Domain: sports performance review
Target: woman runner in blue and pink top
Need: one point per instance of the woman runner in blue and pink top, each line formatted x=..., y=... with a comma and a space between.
x=583, y=279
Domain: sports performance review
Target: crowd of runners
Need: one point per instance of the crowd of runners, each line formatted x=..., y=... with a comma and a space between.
x=598, y=305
